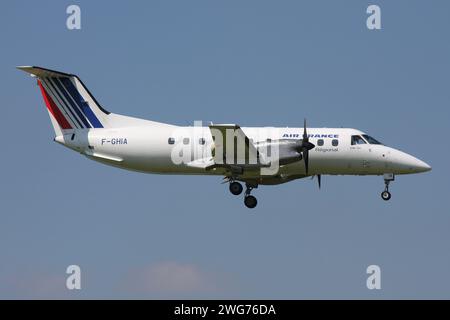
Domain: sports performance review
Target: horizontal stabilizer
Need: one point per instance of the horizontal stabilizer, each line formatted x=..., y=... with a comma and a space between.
x=43, y=73
x=101, y=156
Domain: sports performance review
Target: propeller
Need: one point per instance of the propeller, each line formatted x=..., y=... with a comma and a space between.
x=305, y=147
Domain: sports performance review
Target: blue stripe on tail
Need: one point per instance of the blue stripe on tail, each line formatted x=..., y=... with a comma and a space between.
x=74, y=119
x=84, y=106
x=72, y=104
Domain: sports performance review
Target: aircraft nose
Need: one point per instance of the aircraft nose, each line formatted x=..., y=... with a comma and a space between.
x=417, y=165
x=411, y=164
x=422, y=166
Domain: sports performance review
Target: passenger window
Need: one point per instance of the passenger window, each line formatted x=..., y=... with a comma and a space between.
x=171, y=141
x=320, y=142
x=186, y=141
x=357, y=140
x=201, y=141
x=335, y=142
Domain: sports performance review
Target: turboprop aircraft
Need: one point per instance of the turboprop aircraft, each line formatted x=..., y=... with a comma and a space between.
x=254, y=156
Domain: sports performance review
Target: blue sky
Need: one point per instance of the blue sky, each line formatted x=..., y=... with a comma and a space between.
x=255, y=63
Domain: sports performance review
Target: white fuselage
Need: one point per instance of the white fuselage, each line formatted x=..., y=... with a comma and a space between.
x=265, y=155
x=146, y=148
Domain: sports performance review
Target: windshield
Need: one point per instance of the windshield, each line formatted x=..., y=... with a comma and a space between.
x=370, y=139
x=357, y=140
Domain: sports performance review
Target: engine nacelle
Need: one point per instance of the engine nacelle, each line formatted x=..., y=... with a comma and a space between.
x=287, y=150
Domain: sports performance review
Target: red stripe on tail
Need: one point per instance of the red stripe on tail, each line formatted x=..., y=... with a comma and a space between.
x=51, y=106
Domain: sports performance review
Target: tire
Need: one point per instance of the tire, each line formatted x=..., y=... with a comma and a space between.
x=250, y=202
x=386, y=195
x=236, y=188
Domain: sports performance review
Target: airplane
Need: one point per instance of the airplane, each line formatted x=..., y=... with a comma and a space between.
x=253, y=156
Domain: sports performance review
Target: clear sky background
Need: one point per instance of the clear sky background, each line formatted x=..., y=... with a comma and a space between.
x=255, y=63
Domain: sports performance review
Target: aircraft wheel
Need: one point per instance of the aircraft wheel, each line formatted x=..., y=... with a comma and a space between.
x=235, y=188
x=250, y=202
x=385, y=195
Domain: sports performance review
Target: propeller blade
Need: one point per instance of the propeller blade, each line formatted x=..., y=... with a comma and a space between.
x=305, y=135
x=319, y=179
x=306, y=159
x=306, y=146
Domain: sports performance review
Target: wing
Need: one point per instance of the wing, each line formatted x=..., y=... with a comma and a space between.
x=233, y=148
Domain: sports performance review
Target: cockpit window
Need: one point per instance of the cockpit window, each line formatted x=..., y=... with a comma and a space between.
x=371, y=140
x=357, y=140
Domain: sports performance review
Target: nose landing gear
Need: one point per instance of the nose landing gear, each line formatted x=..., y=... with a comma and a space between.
x=386, y=195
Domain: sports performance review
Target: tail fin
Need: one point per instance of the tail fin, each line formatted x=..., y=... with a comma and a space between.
x=69, y=103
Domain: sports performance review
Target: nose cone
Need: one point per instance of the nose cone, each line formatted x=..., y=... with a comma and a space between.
x=406, y=163
x=421, y=166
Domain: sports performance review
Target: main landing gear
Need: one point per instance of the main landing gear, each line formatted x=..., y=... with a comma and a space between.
x=386, y=195
x=249, y=200
x=235, y=188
